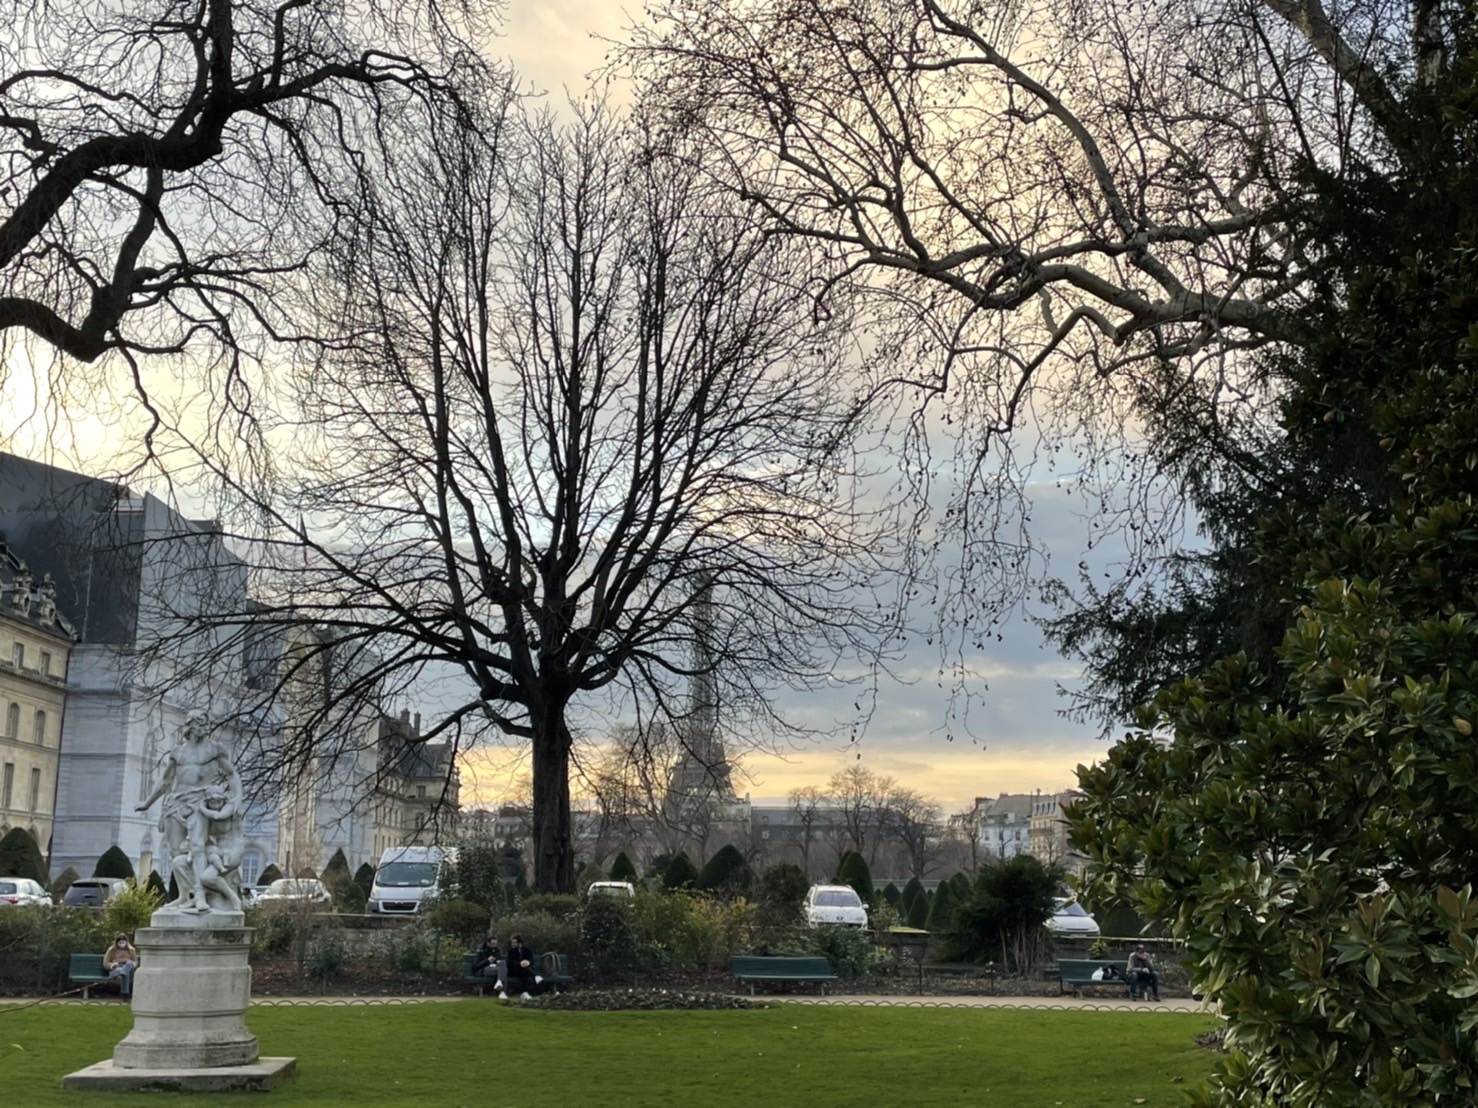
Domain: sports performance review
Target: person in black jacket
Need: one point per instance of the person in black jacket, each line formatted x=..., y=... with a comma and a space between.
x=489, y=962
x=522, y=972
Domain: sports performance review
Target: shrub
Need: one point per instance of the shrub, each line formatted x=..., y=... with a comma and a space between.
x=353, y=900
x=607, y=939
x=476, y=877
x=364, y=877
x=668, y=931
x=942, y=909
x=63, y=882
x=130, y=909
x=463, y=920
x=37, y=944
x=622, y=869
x=1002, y=920
x=848, y=949
x=155, y=884
x=891, y=894
x=266, y=877
x=918, y=913
x=782, y=889
x=21, y=857
x=852, y=870
x=544, y=932
x=912, y=890
x=340, y=882
x=726, y=874
x=113, y=863
x=587, y=875
x=680, y=873
x=275, y=932
x=327, y=954
x=408, y=949
x=563, y=905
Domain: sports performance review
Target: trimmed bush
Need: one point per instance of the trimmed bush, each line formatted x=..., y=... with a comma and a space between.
x=562, y=905
x=339, y=880
x=364, y=877
x=21, y=857
x=726, y=874
x=941, y=909
x=543, y=932
x=63, y=882
x=607, y=940
x=622, y=869
x=853, y=870
x=891, y=895
x=918, y=913
x=782, y=889
x=680, y=873
x=912, y=890
x=848, y=949
x=155, y=884
x=113, y=863
x=464, y=920
x=266, y=877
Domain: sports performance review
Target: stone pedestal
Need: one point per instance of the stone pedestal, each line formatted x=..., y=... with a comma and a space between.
x=190, y=996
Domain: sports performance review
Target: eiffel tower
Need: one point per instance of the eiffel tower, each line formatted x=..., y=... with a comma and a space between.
x=702, y=773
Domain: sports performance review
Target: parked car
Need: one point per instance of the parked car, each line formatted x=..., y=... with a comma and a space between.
x=834, y=904
x=24, y=892
x=611, y=888
x=93, y=892
x=297, y=891
x=1071, y=919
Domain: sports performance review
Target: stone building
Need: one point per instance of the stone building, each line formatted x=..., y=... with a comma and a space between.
x=35, y=651
x=417, y=798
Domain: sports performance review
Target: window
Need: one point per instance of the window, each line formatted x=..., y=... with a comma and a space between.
x=251, y=867
x=13, y=722
x=6, y=784
x=18, y=655
x=420, y=792
x=35, y=789
x=40, y=733
x=46, y=663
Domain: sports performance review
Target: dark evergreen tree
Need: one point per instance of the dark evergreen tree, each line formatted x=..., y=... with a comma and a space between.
x=727, y=873
x=941, y=909
x=340, y=882
x=852, y=870
x=155, y=884
x=266, y=877
x=891, y=894
x=918, y=913
x=1003, y=917
x=63, y=882
x=364, y=877
x=622, y=869
x=913, y=888
x=20, y=856
x=680, y=873
x=782, y=890
x=113, y=863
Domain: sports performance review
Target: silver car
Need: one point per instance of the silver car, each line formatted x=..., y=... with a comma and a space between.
x=23, y=892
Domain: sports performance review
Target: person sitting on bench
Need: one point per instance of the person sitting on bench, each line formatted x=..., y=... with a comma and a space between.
x=120, y=960
x=1142, y=976
x=521, y=971
x=489, y=962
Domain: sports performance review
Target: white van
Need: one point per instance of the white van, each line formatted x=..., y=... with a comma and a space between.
x=405, y=877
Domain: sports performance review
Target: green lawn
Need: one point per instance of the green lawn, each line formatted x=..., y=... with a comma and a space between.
x=478, y=1052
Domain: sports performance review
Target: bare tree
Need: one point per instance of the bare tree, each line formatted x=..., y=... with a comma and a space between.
x=911, y=821
x=586, y=392
x=172, y=169
x=860, y=797
x=1074, y=222
x=806, y=804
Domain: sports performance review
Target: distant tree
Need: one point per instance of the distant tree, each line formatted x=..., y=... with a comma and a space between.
x=680, y=873
x=20, y=856
x=913, y=888
x=63, y=882
x=340, y=882
x=726, y=873
x=266, y=877
x=941, y=909
x=891, y=895
x=622, y=869
x=155, y=884
x=1002, y=920
x=113, y=863
x=782, y=889
x=852, y=870
x=918, y=912
x=364, y=877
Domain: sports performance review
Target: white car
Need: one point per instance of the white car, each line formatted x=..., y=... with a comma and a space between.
x=1069, y=919
x=624, y=889
x=834, y=904
x=24, y=892
x=299, y=892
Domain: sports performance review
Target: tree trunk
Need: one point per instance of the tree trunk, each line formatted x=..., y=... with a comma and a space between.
x=554, y=858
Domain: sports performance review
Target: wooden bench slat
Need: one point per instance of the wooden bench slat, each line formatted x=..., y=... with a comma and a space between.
x=753, y=967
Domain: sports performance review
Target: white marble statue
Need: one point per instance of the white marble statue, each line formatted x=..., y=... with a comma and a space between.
x=201, y=819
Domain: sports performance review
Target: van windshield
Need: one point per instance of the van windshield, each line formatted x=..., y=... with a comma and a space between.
x=406, y=875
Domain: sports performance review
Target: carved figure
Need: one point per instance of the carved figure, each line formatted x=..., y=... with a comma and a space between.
x=200, y=818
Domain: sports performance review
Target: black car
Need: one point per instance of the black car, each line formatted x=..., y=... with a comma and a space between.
x=93, y=892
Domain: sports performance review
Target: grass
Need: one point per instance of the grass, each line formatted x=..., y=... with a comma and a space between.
x=475, y=1052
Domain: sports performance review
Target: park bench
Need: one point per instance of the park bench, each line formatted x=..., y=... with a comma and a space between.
x=753, y=967
x=555, y=971
x=1075, y=973
x=87, y=970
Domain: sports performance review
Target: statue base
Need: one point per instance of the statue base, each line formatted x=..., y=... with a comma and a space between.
x=190, y=996
x=262, y=1076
